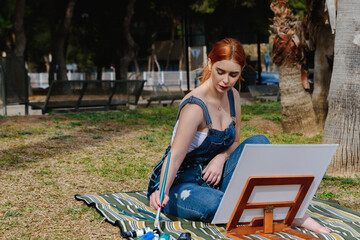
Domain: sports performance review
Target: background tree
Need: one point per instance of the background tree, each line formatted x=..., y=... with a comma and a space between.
x=298, y=115
x=321, y=41
x=90, y=44
x=59, y=34
x=298, y=7
x=168, y=17
x=12, y=30
x=38, y=44
x=6, y=12
x=129, y=46
x=342, y=124
x=52, y=35
x=20, y=38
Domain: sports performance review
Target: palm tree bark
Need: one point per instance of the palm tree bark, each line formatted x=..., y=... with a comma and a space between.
x=323, y=62
x=298, y=114
x=321, y=39
x=342, y=124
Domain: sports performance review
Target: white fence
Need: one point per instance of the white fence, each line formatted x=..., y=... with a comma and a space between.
x=172, y=78
x=40, y=80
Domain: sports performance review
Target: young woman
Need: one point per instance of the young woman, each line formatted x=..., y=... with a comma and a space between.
x=205, y=144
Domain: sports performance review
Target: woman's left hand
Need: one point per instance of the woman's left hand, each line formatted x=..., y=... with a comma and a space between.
x=213, y=171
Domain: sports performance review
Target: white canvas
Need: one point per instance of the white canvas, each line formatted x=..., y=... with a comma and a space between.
x=274, y=160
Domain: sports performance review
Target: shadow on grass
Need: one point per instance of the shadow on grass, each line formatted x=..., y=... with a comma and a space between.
x=32, y=139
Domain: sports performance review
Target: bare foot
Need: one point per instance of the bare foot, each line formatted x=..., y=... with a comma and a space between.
x=308, y=223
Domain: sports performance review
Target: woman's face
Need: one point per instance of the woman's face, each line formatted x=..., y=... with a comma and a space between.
x=224, y=74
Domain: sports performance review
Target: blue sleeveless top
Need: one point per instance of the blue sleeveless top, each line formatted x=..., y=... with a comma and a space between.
x=215, y=142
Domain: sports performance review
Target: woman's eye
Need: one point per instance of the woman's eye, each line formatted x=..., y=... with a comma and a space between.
x=220, y=72
x=234, y=75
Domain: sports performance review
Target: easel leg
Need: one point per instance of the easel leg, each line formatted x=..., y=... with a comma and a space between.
x=269, y=219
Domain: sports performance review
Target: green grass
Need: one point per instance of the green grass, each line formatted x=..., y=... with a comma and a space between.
x=13, y=214
x=270, y=111
x=146, y=116
x=341, y=181
x=117, y=151
x=327, y=195
x=163, y=118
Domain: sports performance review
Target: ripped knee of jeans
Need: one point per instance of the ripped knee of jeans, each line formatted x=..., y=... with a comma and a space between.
x=185, y=194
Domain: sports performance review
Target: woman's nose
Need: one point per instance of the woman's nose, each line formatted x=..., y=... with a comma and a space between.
x=226, y=78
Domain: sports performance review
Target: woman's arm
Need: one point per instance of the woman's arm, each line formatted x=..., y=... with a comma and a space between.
x=190, y=119
x=213, y=171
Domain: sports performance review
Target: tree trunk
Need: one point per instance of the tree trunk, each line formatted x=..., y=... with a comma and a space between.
x=137, y=67
x=154, y=58
x=60, y=35
x=323, y=63
x=181, y=60
x=172, y=44
x=99, y=72
x=342, y=124
x=298, y=115
x=58, y=65
x=149, y=63
x=20, y=38
x=129, y=43
x=8, y=45
x=322, y=41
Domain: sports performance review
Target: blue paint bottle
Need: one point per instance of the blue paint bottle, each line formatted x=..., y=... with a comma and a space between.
x=147, y=236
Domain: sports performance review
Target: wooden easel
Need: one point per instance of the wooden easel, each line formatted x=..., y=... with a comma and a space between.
x=266, y=226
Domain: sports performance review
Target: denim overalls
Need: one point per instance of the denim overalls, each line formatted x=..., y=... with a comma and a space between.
x=190, y=196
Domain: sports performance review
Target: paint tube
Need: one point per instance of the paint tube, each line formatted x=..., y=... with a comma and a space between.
x=156, y=233
x=136, y=232
x=185, y=236
x=147, y=236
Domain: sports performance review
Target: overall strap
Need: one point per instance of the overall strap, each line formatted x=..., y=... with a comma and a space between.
x=232, y=104
x=199, y=102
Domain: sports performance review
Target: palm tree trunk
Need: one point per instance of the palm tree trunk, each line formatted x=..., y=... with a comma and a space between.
x=322, y=41
x=342, y=124
x=298, y=115
x=323, y=62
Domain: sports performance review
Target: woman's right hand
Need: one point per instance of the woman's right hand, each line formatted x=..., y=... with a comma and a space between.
x=155, y=202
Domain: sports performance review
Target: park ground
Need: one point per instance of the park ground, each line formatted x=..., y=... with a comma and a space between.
x=46, y=159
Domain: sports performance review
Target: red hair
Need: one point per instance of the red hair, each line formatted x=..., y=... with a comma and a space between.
x=225, y=49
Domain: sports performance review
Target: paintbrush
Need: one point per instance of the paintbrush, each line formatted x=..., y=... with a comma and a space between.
x=156, y=223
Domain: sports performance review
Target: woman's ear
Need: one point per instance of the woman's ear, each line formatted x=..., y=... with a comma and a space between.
x=209, y=64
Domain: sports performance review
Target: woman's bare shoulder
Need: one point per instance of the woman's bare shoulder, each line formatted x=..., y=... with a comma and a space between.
x=194, y=111
x=236, y=97
x=236, y=94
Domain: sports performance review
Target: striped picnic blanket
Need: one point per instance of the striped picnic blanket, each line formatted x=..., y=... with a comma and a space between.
x=130, y=211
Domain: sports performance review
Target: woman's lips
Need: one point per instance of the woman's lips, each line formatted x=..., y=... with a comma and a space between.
x=222, y=88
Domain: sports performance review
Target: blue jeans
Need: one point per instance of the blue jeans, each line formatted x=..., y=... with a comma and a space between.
x=191, y=201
